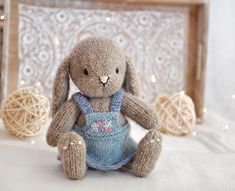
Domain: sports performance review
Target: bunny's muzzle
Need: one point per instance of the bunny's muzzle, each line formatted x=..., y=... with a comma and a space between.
x=104, y=80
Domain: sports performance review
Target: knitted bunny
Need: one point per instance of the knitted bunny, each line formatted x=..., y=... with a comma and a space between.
x=91, y=129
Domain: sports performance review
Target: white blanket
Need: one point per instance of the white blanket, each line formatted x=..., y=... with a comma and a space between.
x=202, y=162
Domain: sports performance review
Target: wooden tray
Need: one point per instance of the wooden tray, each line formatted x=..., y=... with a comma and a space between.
x=194, y=74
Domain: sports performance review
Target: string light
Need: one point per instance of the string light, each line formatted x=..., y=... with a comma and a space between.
x=182, y=92
x=226, y=127
x=57, y=42
x=22, y=82
x=2, y=17
x=153, y=78
x=204, y=110
x=108, y=19
x=33, y=142
x=194, y=133
x=38, y=84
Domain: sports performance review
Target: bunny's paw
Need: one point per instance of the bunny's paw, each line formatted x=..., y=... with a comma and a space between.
x=72, y=150
x=147, y=154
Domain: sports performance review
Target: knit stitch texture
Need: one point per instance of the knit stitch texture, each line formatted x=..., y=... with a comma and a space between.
x=109, y=146
x=90, y=62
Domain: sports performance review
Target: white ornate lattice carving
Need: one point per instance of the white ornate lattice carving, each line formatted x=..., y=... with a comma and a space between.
x=155, y=41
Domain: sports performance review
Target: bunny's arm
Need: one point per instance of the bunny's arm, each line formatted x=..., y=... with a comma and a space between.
x=62, y=122
x=138, y=111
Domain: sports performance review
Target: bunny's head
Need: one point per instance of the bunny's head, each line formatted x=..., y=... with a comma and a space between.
x=98, y=67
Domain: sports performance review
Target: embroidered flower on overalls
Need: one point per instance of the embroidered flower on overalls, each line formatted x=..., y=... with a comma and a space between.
x=101, y=125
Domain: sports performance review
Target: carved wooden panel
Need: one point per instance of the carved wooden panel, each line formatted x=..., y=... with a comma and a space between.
x=156, y=36
x=155, y=41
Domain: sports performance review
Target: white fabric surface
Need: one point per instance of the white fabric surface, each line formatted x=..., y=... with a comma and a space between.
x=202, y=162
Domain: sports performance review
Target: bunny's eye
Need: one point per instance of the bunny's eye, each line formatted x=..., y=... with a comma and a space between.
x=117, y=70
x=85, y=72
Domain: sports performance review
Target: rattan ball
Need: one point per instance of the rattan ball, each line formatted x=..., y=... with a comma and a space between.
x=25, y=112
x=176, y=113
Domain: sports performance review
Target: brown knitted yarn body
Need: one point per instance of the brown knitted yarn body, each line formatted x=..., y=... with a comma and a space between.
x=99, y=69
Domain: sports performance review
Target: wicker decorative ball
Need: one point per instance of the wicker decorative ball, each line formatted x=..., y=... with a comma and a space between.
x=25, y=112
x=176, y=113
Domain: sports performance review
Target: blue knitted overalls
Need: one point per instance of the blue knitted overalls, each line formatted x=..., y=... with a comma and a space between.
x=109, y=145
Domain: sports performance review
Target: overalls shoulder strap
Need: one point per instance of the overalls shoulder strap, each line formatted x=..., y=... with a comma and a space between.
x=117, y=101
x=83, y=103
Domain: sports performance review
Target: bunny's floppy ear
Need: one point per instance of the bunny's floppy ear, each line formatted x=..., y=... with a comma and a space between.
x=61, y=86
x=130, y=82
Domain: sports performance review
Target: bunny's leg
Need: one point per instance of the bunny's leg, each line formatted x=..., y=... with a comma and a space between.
x=72, y=150
x=147, y=154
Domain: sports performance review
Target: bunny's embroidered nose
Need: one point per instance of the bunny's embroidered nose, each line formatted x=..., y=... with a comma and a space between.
x=104, y=79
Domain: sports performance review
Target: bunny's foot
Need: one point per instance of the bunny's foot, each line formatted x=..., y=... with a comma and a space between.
x=72, y=150
x=146, y=155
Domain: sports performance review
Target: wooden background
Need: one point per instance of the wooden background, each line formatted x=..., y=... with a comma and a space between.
x=197, y=44
x=1, y=40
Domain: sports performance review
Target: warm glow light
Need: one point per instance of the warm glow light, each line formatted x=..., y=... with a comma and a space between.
x=153, y=78
x=108, y=19
x=22, y=82
x=57, y=42
x=38, y=84
x=204, y=110
x=194, y=133
x=233, y=96
x=33, y=142
x=182, y=92
x=2, y=17
x=226, y=127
